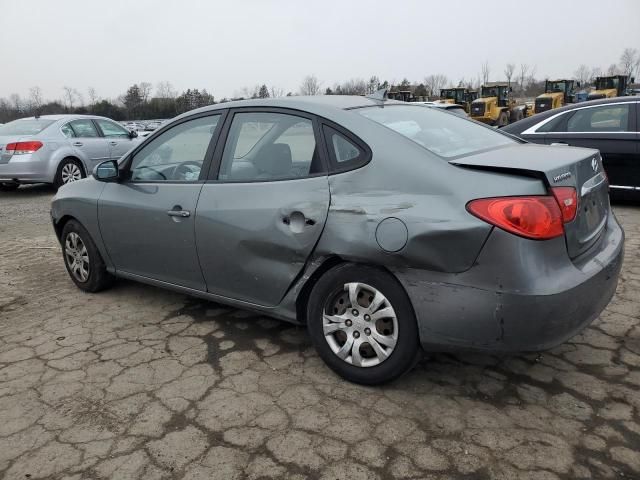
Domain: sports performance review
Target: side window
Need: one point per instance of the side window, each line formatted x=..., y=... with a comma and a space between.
x=112, y=130
x=608, y=118
x=269, y=146
x=176, y=155
x=67, y=131
x=345, y=154
x=84, y=128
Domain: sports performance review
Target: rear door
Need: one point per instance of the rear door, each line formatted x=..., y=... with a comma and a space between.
x=92, y=147
x=147, y=220
x=262, y=213
x=611, y=129
x=117, y=137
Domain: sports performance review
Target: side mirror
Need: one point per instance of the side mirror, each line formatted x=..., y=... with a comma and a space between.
x=133, y=134
x=107, y=171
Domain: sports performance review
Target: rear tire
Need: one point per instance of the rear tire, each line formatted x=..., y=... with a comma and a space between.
x=82, y=259
x=503, y=119
x=69, y=170
x=8, y=187
x=362, y=324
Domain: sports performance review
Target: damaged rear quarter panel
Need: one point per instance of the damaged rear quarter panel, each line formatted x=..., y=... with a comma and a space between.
x=407, y=182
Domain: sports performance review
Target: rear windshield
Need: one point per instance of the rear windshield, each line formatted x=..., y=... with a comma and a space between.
x=445, y=135
x=28, y=126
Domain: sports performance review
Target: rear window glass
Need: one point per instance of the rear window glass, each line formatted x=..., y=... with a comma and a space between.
x=29, y=126
x=445, y=135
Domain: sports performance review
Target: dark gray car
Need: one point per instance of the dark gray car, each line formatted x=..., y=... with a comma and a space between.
x=382, y=226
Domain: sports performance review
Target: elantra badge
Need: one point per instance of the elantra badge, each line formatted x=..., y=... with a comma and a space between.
x=562, y=176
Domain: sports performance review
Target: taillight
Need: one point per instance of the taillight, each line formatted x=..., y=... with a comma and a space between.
x=19, y=148
x=567, y=198
x=535, y=217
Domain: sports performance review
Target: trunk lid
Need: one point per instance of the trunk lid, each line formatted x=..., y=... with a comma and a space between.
x=580, y=168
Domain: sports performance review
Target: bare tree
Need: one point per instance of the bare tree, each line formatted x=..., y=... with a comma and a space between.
x=582, y=74
x=310, y=86
x=79, y=97
x=508, y=71
x=69, y=96
x=629, y=61
x=16, y=101
x=145, y=91
x=93, y=96
x=595, y=73
x=486, y=71
x=434, y=83
x=35, y=98
x=612, y=70
x=277, y=92
x=165, y=90
x=523, y=75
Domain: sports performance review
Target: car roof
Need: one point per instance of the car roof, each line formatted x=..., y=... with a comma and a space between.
x=522, y=125
x=313, y=103
x=70, y=116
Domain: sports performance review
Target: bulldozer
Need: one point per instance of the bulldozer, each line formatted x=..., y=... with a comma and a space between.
x=611, y=86
x=458, y=95
x=556, y=94
x=495, y=106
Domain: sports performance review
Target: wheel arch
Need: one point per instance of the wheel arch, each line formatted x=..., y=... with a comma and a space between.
x=331, y=262
x=58, y=226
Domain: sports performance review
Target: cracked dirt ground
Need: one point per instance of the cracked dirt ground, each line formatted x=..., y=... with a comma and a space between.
x=138, y=382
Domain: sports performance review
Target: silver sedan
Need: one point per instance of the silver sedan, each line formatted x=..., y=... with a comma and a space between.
x=58, y=149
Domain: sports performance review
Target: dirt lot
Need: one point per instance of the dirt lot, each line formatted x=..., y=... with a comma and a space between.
x=138, y=382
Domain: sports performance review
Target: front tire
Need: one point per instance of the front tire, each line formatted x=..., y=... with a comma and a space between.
x=362, y=324
x=82, y=259
x=503, y=119
x=69, y=170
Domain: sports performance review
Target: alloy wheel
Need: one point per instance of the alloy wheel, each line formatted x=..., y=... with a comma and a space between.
x=360, y=325
x=70, y=173
x=77, y=257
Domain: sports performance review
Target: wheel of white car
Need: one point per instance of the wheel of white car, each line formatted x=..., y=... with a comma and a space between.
x=69, y=170
x=8, y=187
x=362, y=324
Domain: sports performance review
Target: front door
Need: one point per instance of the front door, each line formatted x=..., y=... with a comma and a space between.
x=147, y=221
x=610, y=129
x=257, y=224
x=118, y=138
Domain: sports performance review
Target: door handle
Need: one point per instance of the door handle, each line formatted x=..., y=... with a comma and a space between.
x=113, y=143
x=560, y=144
x=77, y=144
x=179, y=213
x=298, y=218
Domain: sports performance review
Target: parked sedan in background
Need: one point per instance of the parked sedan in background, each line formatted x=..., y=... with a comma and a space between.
x=611, y=125
x=381, y=226
x=58, y=149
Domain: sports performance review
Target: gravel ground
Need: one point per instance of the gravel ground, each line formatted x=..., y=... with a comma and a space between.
x=138, y=382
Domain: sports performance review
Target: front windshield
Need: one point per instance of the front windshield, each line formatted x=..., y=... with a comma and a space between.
x=27, y=126
x=443, y=134
x=607, y=83
x=490, y=92
x=556, y=87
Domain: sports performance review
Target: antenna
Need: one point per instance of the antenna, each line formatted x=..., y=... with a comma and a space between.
x=379, y=96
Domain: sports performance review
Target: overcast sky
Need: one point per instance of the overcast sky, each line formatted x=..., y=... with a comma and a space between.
x=225, y=45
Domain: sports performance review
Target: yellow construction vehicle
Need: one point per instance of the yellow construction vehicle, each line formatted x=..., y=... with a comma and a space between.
x=612, y=86
x=459, y=95
x=556, y=94
x=495, y=105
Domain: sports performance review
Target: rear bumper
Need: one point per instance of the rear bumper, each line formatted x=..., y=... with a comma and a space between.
x=24, y=169
x=521, y=295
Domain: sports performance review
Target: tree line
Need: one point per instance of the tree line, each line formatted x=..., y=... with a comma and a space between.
x=142, y=101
